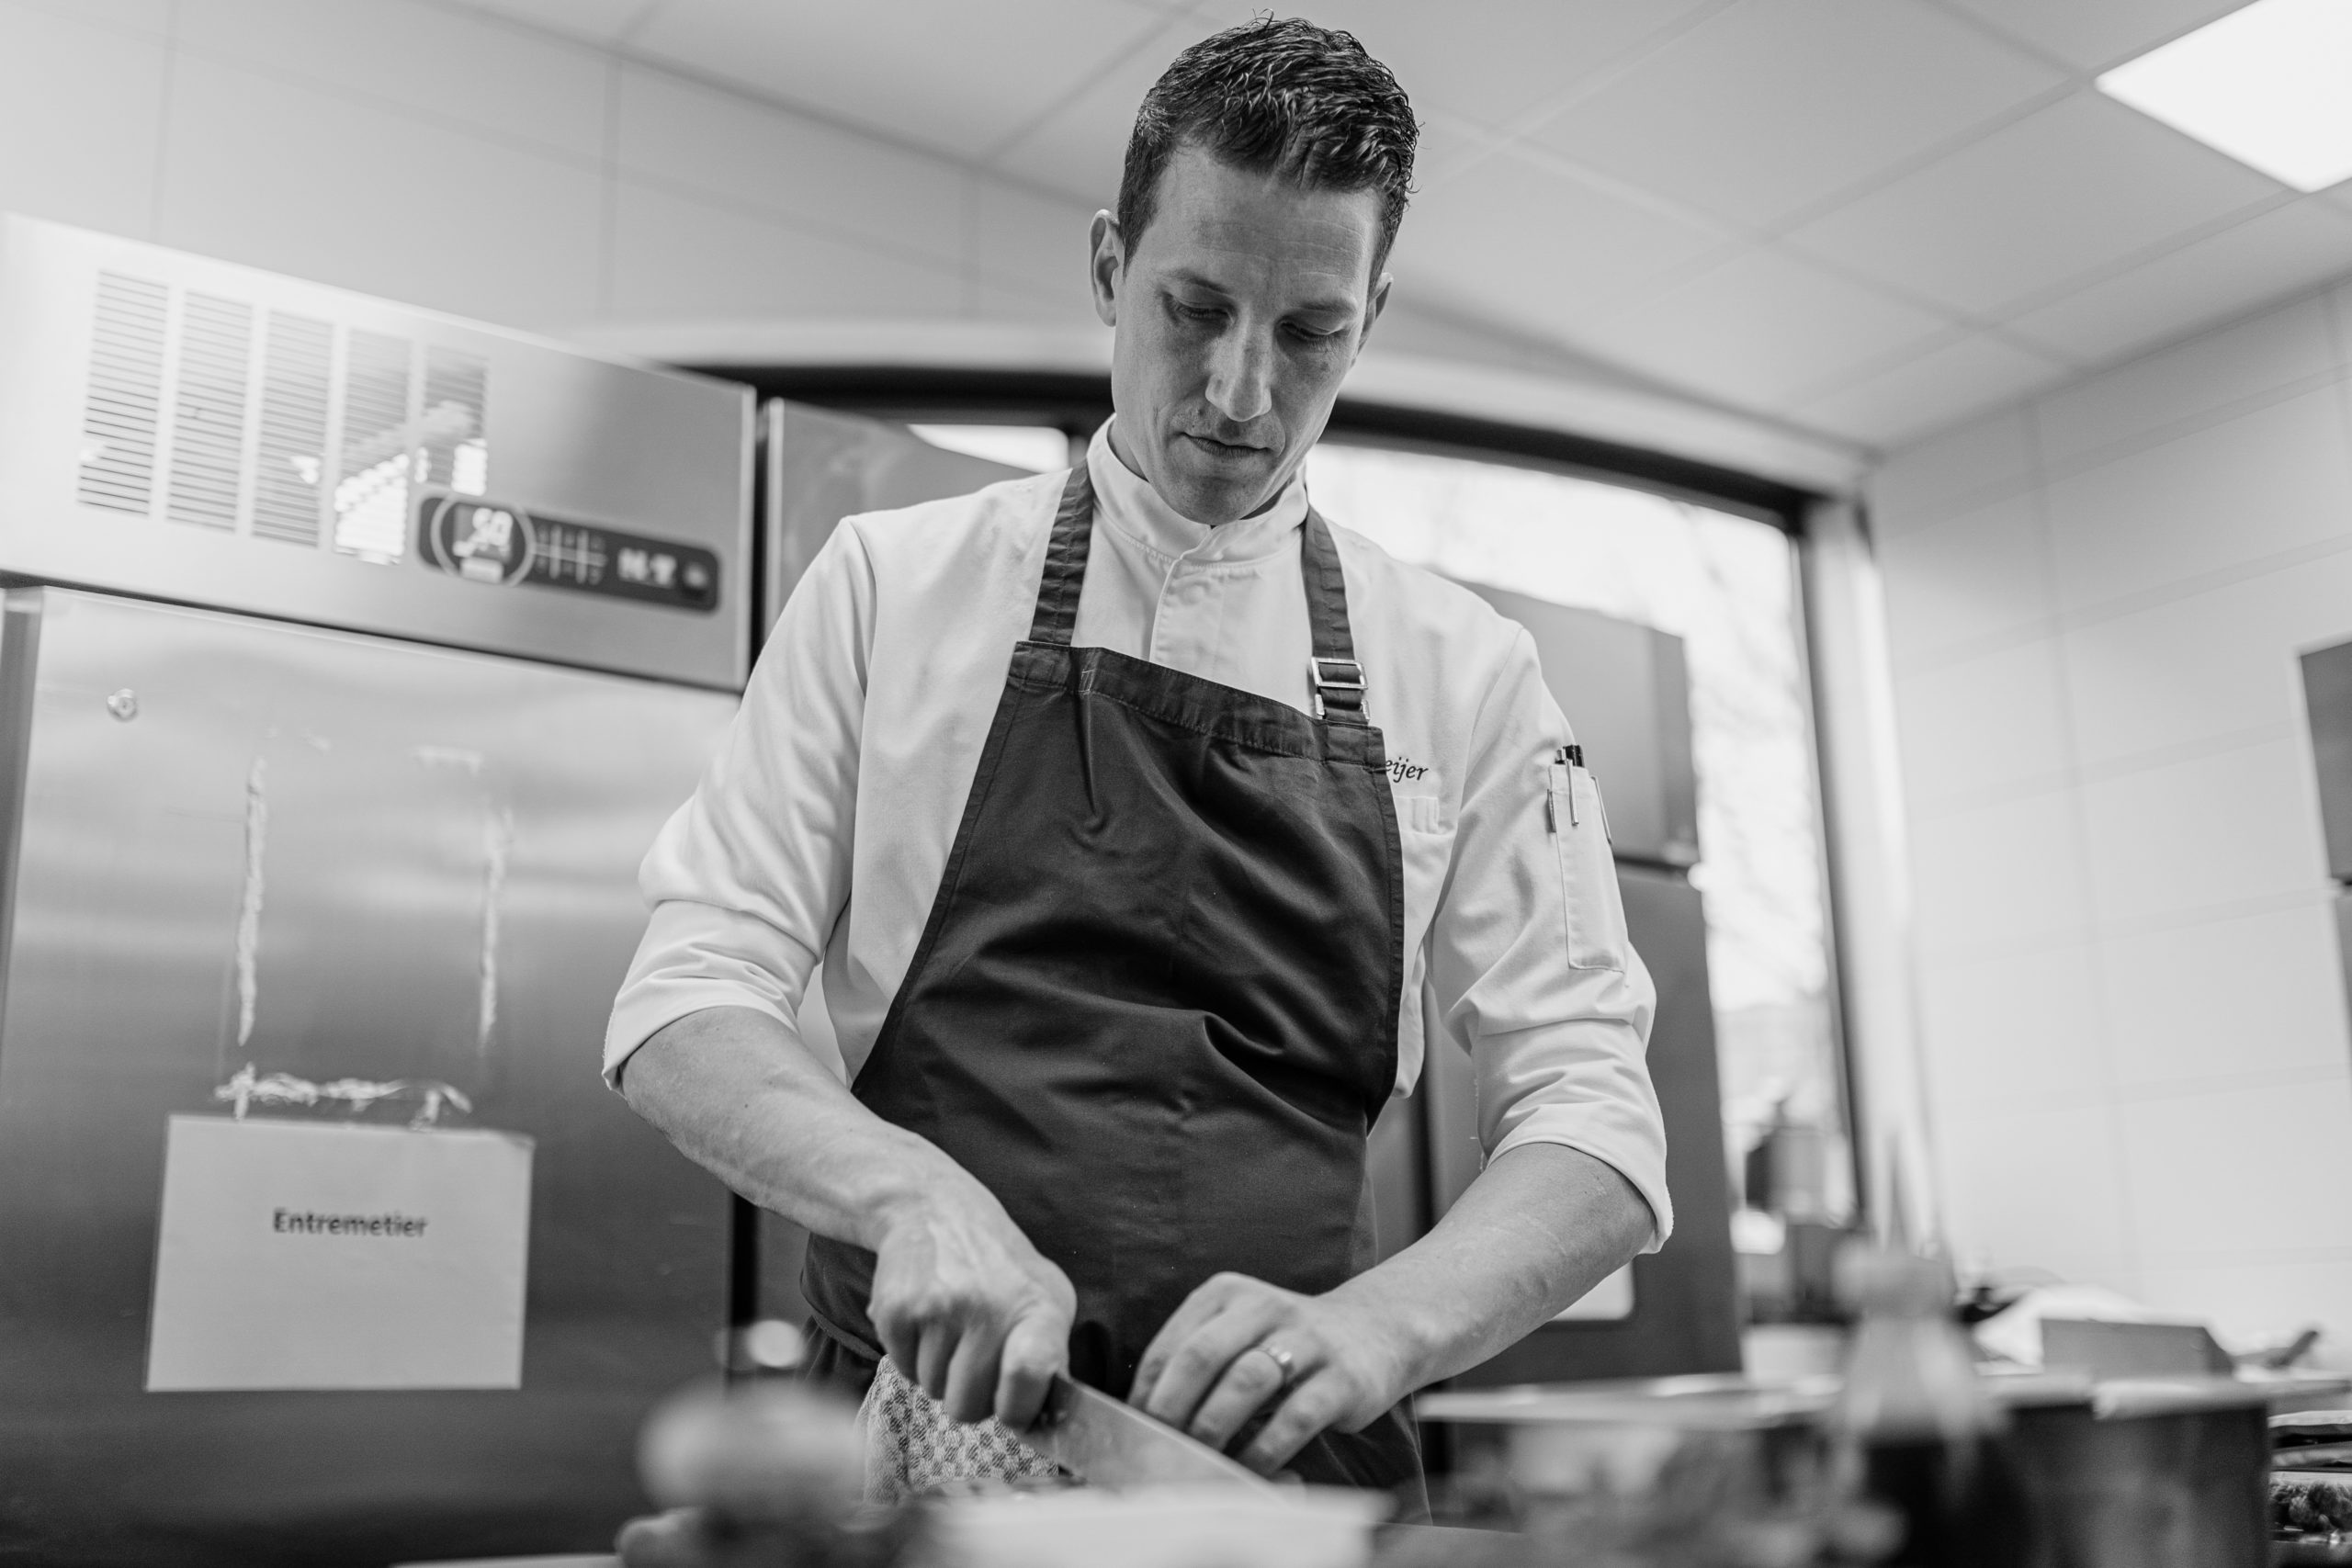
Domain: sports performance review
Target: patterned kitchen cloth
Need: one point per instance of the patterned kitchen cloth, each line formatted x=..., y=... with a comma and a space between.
x=913, y=1445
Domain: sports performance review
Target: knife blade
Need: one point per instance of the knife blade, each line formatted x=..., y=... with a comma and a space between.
x=1107, y=1442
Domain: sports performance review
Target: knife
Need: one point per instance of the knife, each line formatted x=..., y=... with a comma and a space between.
x=1107, y=1442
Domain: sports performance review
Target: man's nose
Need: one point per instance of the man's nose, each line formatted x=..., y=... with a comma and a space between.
x=1242, y=376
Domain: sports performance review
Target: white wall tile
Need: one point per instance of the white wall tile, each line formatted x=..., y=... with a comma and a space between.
x=426, y=58
x=2214, y=831
x=2265, y=1299
x=2210, y=1172
x=2190, y=382
x=745, y=153
x=2014, y=1032
x=328, y=186
x=673, y=256
x=2206, y=665
x=2254, y=994
x=2005, y=877
x=2277, y=478
x=1983, y=725
x=1924, y=481
x=2035, y=1188
x=80, y=112
x=1979, y=574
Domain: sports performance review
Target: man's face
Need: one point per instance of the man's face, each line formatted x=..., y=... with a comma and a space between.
x=1237, y=315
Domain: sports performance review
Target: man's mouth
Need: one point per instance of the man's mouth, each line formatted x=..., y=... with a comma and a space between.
x=1224, y=451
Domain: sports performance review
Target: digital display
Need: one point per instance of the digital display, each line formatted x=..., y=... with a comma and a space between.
x=490, y=542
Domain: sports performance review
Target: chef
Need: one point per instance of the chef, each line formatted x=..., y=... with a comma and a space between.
x=1140, y=817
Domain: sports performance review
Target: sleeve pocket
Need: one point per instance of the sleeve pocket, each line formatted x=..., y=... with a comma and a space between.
x=1594, y=910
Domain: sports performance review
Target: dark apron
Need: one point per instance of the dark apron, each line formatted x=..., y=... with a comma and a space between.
x=1154, y=1009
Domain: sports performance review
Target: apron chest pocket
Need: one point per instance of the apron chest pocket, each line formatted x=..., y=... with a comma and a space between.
x=1590, y=904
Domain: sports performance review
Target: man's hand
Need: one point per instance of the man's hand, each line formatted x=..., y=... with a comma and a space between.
x=968, y=1308
x=1206, y=1373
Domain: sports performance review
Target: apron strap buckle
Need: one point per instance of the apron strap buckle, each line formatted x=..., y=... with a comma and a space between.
x=1338, y=683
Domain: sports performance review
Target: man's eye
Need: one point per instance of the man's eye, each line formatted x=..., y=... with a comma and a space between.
x=1194, y=312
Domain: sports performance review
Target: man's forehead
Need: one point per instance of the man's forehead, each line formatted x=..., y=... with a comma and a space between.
x=1216, y=216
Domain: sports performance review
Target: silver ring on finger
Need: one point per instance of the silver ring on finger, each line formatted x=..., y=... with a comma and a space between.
x=1280, y=1358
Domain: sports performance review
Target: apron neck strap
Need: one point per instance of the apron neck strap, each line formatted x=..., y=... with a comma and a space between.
x=1066, y=562
x=1333, y=676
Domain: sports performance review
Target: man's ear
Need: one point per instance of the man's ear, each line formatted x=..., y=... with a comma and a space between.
x=1109, y=255
x=1371, y=314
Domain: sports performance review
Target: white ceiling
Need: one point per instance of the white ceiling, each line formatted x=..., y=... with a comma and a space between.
x=1865, y=217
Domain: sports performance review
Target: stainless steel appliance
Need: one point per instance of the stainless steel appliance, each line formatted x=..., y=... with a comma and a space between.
x=353, y=657
x=1626, y=691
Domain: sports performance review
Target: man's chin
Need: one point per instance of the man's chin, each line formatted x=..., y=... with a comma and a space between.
x=1213, y=498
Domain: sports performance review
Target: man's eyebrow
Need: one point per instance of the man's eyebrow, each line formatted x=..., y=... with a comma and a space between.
x=1325, y=305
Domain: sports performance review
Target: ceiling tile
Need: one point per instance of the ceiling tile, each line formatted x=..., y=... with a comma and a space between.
x=2266, y=257
x=1514, y=242
x=452, y=65
x=2035, y=205
x=2092, y=35
x=1079, y=147
x=743, y=152
x=1939, y=387
x=1491, y=62
x=1767, y=109
x=1760, y=327
x=947, y=73
x=600, y=21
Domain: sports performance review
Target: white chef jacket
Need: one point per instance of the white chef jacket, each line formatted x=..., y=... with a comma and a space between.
x=821, y=829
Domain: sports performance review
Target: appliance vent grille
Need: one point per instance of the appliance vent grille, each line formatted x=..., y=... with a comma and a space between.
x=296, y=357
x=454, y=430
x=126, y=393
x=209, y=411
x=371, y=488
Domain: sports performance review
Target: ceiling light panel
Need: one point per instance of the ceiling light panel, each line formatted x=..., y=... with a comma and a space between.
x=2265, y=84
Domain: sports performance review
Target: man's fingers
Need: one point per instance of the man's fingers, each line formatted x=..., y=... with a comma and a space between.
x=1196, y=1363
x=972, y=1378
x=1207, y=1300
x=1038, y=1347
x=1311, y=1407
x=932, y=1356
x=1251, y=1379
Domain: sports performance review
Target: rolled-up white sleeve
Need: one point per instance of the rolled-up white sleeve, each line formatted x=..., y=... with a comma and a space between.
x=747, y=877
x=1558, y=1029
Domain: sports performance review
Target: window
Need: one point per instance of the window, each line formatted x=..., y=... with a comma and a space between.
x=1727, y=586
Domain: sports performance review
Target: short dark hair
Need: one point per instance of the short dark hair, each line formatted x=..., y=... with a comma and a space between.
x=1277, y=97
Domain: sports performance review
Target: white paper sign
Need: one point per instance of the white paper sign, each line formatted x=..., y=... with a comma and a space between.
x=296, y=1254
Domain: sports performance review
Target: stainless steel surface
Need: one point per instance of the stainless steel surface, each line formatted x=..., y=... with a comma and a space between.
x=446, y=846
x=184, y=429
x=1109, y=1443
x=1626, y=694
x=1685, y=1313
x=821, y=466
